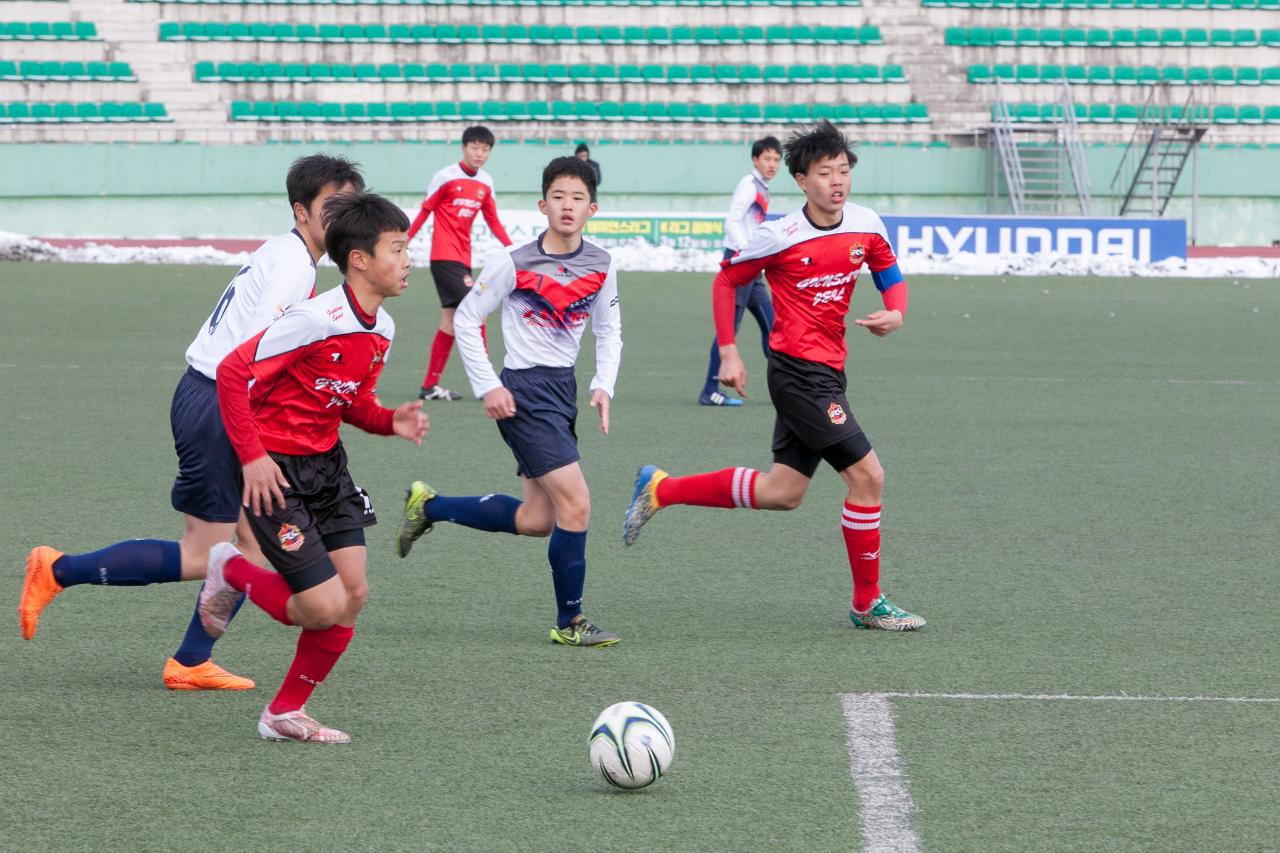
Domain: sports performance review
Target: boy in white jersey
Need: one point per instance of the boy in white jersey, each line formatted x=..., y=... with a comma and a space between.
x=548, y=289
x=280, y=273
x=747, y=211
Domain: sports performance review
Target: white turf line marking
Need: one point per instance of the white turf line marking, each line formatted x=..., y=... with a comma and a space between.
x=886, y=808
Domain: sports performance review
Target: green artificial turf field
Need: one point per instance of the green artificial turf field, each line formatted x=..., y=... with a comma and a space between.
x=1080, y=498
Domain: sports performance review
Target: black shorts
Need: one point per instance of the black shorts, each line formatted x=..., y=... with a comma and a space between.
x=542, y=434
x=453, y=280
x=205, y=487
x=814, y=420
x=324, y=511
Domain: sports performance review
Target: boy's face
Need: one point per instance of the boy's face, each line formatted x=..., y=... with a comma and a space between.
x=767, y=163
x=309, y=219
x=387, y=269
x=475, y=154
x=567, y=205
x=826, y=184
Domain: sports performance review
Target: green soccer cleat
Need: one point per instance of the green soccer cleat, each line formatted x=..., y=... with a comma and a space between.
x=415, y=522
x=644, y=502
x=580, y=632
x=886, y=616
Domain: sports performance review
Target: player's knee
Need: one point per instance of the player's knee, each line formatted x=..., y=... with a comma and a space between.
x=787, y=501
x=869, y=476
x=357, y=597
x=574, y=514
x=326, y=613
x=532, y=521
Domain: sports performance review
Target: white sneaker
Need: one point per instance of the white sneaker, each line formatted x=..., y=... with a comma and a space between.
x=218, y=599
x=296, y=725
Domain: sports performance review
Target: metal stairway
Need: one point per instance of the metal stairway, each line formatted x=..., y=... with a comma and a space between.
x=1042, y=165
x=1164, y=140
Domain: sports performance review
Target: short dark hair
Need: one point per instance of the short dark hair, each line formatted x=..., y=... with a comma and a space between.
x=356, y=221
x=582, y=147
x=478, y=133
x=768, y=143
x=805, y=148
x=309, y=175
x=569, y=167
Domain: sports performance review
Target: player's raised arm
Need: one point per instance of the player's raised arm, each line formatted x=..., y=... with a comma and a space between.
x=892, y=286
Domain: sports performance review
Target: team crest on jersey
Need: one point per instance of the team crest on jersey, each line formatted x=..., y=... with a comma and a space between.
x=857, y=253
x=377, y=357
x=837, y=414
x=291, y=538
x=480, y=193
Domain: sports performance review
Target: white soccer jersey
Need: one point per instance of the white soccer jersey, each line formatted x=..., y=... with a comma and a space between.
x=747, y=210
x=546, y=300
x=280, y=273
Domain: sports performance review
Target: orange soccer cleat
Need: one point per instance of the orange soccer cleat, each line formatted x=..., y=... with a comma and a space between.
x=38, y=589
x=203, y=676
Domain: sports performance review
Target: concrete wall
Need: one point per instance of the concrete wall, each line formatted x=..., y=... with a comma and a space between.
x=187, y=190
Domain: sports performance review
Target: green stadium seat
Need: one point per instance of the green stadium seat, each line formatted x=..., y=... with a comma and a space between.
x=590, y=110
x=274, y=73
x=586, y=35
x=88, y=111
x=519, y=111
x=1248, y=77
x=868, y=34
x=1196, y=37
x=1101, y=114
x=657, y=35
x=684, y=35
x=1148, y=75
x=1148, y=37
x=894, y=113
x=114, y=112
x=261, y=32
x=533, y=72
x=287, y=111
x=728, y=74
x=9, y=70
x=956, y=37
x=848, y=35
x=894, y=74
x=101, y=71
x=447, y=111
x=1271, y=76
x=66, y=112
x=485, y=72
x=1026, y=113
x=775, y=74
x=1098, y=38
x=778, y=34
x=1051, y=37
x=19, y=112
x=1125, y=75
x=999, y=36
x=1124, y=37
x=342, y=73
x=917, y=113
x=1003, y=72
x=1220, y=38
x=1075, y=37
x=751, y=74
x=1027, y=37
x=557, y=73
x=1051, y=74
x=1249, y=114
x=402, y=34
x=1075, y=74
x=1224, y=114
x=1126, y=114
x=869, y=114
x=1027, y=74
x=86, y=31
x=1173, y=75
x=1271, y=115
x=41, y=31
x=775, y=113
x=1198, y=75
x=462, y=72
x=63, y=31
x=241, y=111
x=332, y=113
x=800, y=74
x=1245, y=38
x=1172, y=37
x=378, y=111
x=169, y=31
x=264, y=111
x=845, y=114
x=401, y=111
x=1222, y=75
x=655, y=111
x=320, y=72
x=1271, y=38
x=205, y=72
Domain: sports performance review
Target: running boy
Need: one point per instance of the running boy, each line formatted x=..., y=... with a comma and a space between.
x=547, y=289
x=747, y=210
x=811, y=258
x=280, y=273
x=283, y=395
x=456, y=194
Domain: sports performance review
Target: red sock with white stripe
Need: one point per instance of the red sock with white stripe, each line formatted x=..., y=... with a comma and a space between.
x=317, y=653
x=861, y=528
x=727, y=489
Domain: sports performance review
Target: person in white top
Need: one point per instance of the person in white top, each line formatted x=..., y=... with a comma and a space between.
x=747, y=210
x=280, y=273
x=548, y=290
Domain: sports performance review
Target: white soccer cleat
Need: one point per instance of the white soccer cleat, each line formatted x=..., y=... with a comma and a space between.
x=218, y=599
x=296, y=725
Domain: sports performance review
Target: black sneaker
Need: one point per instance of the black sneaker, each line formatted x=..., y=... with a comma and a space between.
x=438, y=392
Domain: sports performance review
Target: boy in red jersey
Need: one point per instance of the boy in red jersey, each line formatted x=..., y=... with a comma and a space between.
x=455, y=195
x=283, y=394
x=811, y=259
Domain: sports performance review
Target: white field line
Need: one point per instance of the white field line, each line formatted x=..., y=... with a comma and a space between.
x=885, y=806
x=886, y=809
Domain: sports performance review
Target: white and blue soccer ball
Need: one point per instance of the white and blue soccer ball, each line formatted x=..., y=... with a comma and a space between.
x=631, y=745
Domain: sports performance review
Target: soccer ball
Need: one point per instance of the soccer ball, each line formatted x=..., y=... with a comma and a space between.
x=631, y=745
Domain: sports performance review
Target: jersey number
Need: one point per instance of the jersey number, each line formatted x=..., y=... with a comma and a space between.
x=225, y=302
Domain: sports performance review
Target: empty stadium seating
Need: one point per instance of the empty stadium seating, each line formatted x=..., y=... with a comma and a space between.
x=67, y=71
x=1161, y=5
x=1120, y=37
x=573, y=111
x=1121, y=75
x=48, y=31
x=64, y=112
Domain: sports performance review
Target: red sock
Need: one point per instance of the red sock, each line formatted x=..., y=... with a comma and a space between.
x=317, y=652
x=265, y=588
x=484, y=337
x=861, y=527
x=726, y=488
x=441, y=346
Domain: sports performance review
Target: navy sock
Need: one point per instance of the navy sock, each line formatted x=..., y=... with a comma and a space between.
x=492, y=513
x=197, y=645
x=135, y=562
x=713, y=371
x=567, y=553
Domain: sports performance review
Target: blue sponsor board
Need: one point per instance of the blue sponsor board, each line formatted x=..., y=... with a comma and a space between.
x=1142, y=240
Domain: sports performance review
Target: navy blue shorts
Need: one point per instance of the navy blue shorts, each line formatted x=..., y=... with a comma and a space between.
x=207, y=464
x=541, y=434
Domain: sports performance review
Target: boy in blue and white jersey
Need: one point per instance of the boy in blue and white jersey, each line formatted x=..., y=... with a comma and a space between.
x=280, y=273
x=548, y=289
x=747, y=210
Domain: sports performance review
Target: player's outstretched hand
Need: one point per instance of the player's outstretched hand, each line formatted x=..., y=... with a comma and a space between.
x=410, y=422
x=881, y=323
x=733, y=372
x=499, y=403
x=600, y=402
x=264, y=485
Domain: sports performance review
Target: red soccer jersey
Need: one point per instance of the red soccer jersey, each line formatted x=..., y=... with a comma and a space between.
x=811, y=273
x=456, y=195
x=316, y=366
